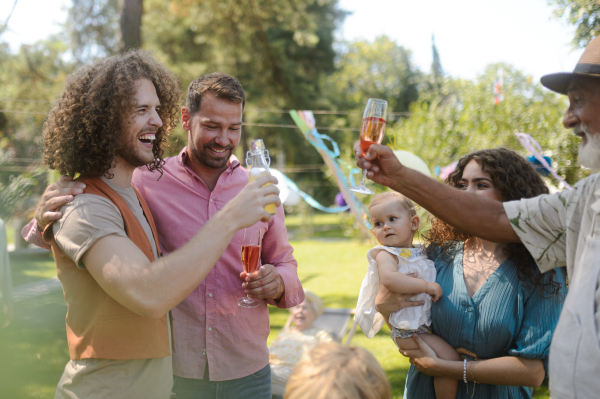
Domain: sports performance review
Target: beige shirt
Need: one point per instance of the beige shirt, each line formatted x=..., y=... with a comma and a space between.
x=555, y=227
x=563, y=229
x=87, y=219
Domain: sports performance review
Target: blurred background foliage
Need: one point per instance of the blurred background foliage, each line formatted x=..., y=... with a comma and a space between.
x=286, y=56
x=463, y=117
x=583, y=14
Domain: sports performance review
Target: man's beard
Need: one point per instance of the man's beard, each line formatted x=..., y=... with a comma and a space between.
x=205, y=158
x=589, y=153
x=130, y=153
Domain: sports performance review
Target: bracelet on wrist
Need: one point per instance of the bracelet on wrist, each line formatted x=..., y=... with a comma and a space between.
x=470, y=367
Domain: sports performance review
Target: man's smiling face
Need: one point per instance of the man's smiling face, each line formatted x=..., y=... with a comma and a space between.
x=583, y=116
x=214, y=132
x=140, y=131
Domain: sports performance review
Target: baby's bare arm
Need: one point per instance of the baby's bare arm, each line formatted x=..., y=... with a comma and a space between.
x=400, y=283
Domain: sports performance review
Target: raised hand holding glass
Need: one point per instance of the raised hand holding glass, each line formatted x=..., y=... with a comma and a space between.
x=371, y=132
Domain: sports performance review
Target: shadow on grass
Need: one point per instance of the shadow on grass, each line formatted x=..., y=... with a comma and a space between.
x=33, y=348
x=339, y=300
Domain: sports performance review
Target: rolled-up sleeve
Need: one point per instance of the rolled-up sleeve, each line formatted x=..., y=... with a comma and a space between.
x=540, y=223
x=32, y=235
x=278, y=252
x=540, y=316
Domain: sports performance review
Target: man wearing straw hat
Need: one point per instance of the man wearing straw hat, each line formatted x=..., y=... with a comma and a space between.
x=561, y=229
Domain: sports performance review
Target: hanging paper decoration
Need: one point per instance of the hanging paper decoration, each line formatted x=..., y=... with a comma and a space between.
x=534, y=147
x=305, y=121
x=292, y=194
x=446, y=170
x=541, y=169
x=498, y=91
x=339, y=199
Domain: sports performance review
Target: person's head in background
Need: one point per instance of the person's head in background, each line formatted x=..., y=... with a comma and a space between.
x=394, y=219
x=308, y=311
x=333, y=371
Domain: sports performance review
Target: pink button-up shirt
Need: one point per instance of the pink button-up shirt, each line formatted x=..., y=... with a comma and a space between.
x=209, y=325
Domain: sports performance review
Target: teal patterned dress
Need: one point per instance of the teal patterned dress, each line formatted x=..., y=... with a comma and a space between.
x=506, y=317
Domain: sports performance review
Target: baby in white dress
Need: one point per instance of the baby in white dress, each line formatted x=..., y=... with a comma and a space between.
x=393, y=264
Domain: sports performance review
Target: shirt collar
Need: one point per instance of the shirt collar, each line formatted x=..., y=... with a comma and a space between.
x=411, y=254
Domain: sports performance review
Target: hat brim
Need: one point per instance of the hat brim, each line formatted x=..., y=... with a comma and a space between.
x=558, y=82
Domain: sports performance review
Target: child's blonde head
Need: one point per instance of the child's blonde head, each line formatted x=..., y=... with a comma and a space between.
x=333, y=371
x=394, y=196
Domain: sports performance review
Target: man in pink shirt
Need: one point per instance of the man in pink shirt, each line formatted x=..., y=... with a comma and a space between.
x=220, y=348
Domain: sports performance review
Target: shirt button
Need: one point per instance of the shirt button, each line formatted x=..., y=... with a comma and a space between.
x=209, y=328
x=211, y=200
x=469, y=310
x=210, y=295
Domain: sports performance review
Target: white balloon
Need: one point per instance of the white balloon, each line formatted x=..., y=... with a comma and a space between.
x=412, y=161
x=286, y=195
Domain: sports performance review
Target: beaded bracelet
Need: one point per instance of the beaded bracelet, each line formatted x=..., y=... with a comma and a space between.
x=465, y=372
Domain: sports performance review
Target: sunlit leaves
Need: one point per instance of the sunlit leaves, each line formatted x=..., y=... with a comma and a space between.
x=464, y=118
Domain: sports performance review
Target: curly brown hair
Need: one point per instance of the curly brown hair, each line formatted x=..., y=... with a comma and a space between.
x=515, y=178
x=84, y=129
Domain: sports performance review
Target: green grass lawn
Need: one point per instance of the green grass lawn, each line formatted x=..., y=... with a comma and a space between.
x=29, y=268
x=33, y=349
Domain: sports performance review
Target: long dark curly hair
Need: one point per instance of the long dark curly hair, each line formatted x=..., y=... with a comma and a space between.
x=84, y=129
x=515, y=178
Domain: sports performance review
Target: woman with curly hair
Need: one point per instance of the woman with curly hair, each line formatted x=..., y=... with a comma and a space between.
x=497, y=309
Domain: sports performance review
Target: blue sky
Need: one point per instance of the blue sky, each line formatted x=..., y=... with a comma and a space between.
x=469, y=34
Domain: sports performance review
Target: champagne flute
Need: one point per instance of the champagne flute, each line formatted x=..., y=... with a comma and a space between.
x=372, y=131
x=250, y=260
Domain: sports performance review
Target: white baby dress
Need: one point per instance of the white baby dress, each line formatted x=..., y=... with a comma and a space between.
x=410, y=261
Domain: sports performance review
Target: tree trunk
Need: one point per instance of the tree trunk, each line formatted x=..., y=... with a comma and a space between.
x=131, y=23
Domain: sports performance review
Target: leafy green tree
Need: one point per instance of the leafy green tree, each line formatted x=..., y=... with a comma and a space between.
x=92, y=28
x=437, y=72
x=281, y=52
x=378, y=69
x=584, y=14
x=14, y=189
x=31, y=80
x=463, y=118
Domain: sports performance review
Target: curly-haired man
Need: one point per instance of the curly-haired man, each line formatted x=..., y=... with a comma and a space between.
x=112, y=118
x=219, y=347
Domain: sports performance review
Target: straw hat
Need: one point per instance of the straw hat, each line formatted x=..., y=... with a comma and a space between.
x=588, y=65
x=315, y=302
